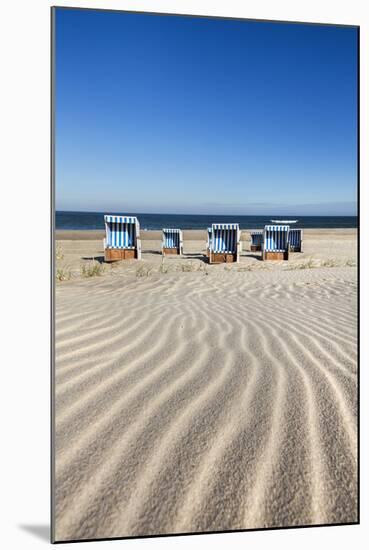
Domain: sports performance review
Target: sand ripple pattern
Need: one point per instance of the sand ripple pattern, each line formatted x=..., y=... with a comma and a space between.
x=205, y=403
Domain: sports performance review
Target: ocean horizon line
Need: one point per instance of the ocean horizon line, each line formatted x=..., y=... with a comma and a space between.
x=264, y=215
x=78, y=220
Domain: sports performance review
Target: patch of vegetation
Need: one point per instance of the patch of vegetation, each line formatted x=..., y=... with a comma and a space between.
x=143, y=270
x=305, y=265
x=245, y=268
x=203, y=268
x=163, y=268
x=63, y=274
x=330, y=263
x=187, y=267
x=59, y=255
x=92, y=269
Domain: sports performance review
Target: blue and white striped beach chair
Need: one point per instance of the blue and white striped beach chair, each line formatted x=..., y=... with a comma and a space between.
x=172, y=242
x=256, y=240
x=276, y=242
x=224, y=244
x=295, y=238
x=208, y=240
x=122, y=241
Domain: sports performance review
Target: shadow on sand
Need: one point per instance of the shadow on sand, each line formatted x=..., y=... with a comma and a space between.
x=100, y=259
x=251, y=255
x=194, y=256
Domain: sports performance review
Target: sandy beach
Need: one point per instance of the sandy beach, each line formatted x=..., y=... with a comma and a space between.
x=193, y=397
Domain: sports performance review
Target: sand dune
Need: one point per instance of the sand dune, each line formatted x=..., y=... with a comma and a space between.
x=205, y=401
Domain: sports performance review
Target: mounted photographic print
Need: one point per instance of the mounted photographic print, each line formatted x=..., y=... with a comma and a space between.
x=205, y=239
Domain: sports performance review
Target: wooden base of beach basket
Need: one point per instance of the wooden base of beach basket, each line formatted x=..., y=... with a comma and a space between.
x=255, y=248
x=295, y=248
x=170, y=252
x=219, y=258
x=116, y=254
x=275, y=255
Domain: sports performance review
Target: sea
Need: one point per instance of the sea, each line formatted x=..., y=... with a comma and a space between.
x=95, y=220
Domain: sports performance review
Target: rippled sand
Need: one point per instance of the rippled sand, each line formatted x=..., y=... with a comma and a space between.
x=203, y=400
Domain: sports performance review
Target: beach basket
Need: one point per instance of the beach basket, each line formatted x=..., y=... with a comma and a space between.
x=256, y=241
x=172, y=242
x=295, y=239
x=276, y=242
x=122, y=238
x=224, y=243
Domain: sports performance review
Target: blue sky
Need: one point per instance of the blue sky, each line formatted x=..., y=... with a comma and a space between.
x=191, y=115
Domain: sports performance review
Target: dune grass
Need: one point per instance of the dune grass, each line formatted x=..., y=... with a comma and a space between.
x=92, y=269
x=188, y=266
x=63, y=274
x=309, y=264
x=245, y=268
x=163, y=268
x=203, y=268
x=143, y=270
x=59, y=254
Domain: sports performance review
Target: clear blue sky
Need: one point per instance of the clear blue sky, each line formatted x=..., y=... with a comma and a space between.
x=190, y=115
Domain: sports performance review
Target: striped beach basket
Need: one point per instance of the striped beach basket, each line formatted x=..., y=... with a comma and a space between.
x=276, y=242
x=224, y=243
x=122, y=238
x=172, y=242
x=256, y=240
x=208, y=240
x=295, y=238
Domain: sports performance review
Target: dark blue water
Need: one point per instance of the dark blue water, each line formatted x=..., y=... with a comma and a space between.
x=95, y=220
